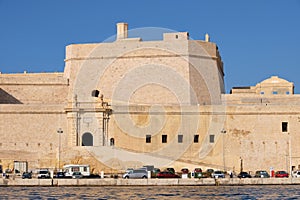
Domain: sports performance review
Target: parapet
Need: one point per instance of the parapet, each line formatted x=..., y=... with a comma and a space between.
x=176, y=36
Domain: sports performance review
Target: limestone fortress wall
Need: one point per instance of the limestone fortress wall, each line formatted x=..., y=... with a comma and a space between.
x=130, y=103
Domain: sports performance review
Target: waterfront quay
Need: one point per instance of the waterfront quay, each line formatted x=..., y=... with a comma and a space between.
x=149, y=182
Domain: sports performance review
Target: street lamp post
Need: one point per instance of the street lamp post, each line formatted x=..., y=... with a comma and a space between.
x=290, y=154
x=223, y=146
x=59, y=131
x=241, y=169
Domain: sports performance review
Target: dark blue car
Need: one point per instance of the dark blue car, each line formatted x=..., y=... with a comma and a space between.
x=60, y=175
x=26, y=175
x=244, y=175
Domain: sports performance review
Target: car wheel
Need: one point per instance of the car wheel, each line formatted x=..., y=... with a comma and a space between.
x=144, y=177
x=126, y=177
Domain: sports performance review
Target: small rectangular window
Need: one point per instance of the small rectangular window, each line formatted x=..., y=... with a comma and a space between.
x=287, y=92
x=180, y=138
x=164, y=138
x=211, y=138
x=275, y=92
x=262, y=92
x=196, y=138
x=75, y=169
x=148, y=138
x=284, y=127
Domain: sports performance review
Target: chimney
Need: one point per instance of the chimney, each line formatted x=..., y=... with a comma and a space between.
x=207, y=37
x=122, y=30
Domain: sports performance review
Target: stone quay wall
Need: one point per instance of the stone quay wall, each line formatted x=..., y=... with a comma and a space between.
x=148, y=182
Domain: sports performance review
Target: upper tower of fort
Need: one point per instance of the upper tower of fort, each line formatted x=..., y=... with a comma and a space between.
x=175, y=70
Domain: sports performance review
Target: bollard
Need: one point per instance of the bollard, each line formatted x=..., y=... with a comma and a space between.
x=217, y=182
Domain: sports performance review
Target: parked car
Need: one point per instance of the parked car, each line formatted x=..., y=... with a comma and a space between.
x=197, y=170
x=244, y=175
x=281, y=174
x=296, y=174
x=207, y=173
x=77, y=175
x=170, y=169
x=184, y=170
x=94, y=176
x=198, y=173
x=26, y=175
x=136, y=173
x=261, y=174
x=43, y=173
x=167, y=174
x=218, y=174
x=60, y=175
x=154, y=172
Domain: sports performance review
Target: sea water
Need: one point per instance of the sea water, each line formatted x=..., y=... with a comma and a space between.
x=154, y=192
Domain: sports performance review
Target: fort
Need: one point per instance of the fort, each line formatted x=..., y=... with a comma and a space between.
x=129, y=103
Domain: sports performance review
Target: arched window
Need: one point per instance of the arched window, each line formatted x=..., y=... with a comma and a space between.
x=87, y=139
x=112, y=142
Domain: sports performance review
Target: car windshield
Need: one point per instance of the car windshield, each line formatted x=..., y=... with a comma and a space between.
x=261, y=172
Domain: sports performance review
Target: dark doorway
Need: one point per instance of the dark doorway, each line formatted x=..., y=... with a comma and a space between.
x=87, y=139
x=112, y=142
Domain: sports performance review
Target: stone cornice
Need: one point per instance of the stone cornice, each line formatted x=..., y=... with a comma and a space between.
x=140, y=56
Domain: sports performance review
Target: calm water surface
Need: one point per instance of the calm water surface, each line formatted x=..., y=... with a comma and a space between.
x=154, y=192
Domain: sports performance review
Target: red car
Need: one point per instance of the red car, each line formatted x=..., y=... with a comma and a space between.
x=197, y=170
x=167, y=174
x=281, y=174
x=184, y=170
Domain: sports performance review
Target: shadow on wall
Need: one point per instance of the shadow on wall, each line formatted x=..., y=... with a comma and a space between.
x=6, y=98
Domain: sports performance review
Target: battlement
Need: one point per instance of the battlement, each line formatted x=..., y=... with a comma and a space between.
x=33, y=79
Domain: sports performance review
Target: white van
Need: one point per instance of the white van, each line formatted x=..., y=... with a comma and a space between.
x=136, y=173
x=71, y=168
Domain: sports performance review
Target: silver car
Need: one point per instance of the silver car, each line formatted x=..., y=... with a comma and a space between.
x=218, y=174
x=261, y=174
x=136, y=173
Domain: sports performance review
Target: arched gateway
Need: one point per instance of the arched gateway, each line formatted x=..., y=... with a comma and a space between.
x=87, y=139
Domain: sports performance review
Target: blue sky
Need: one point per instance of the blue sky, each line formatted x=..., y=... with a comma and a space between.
x=256, y=39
